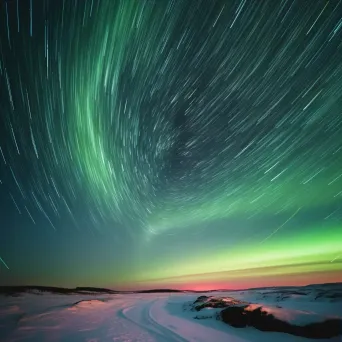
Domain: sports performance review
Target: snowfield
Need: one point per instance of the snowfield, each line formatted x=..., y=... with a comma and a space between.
x=156, y=316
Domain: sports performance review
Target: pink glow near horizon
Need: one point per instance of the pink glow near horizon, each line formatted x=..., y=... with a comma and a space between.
x=279, y=280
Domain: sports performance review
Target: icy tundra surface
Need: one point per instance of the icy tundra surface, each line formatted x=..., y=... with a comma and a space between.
x=153, y=316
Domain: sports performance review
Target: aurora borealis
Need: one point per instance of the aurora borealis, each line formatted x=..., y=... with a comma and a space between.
x=174, y=143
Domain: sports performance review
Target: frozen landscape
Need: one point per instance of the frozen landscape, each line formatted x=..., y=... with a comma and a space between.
x=92, y=316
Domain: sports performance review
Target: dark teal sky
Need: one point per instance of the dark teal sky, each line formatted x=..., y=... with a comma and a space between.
x=148, y=143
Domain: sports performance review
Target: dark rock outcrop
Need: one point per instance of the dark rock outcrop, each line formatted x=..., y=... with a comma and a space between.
x=239, y=317
x=215, y=302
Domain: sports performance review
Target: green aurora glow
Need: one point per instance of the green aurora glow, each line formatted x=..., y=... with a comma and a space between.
x=147, y=125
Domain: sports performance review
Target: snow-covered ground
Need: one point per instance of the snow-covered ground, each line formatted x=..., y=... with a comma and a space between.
x=151, y=317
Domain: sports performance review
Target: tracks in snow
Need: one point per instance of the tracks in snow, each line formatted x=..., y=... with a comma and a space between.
x=142, y=316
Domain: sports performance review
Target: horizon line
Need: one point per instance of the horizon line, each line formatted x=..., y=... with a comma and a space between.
x=161, y=289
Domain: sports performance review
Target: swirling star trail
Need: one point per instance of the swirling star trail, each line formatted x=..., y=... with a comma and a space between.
x=176, y=141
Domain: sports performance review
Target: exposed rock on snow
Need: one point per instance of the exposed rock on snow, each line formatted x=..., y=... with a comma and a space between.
x=261, y=319
x=271, y=318
x=215, y=302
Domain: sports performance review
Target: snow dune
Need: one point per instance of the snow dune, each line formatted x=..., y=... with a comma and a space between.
x=160, y=317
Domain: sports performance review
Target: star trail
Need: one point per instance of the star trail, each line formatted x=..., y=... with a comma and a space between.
x=171, y=141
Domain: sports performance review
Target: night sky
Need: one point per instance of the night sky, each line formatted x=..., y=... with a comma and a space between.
x=170, y=143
